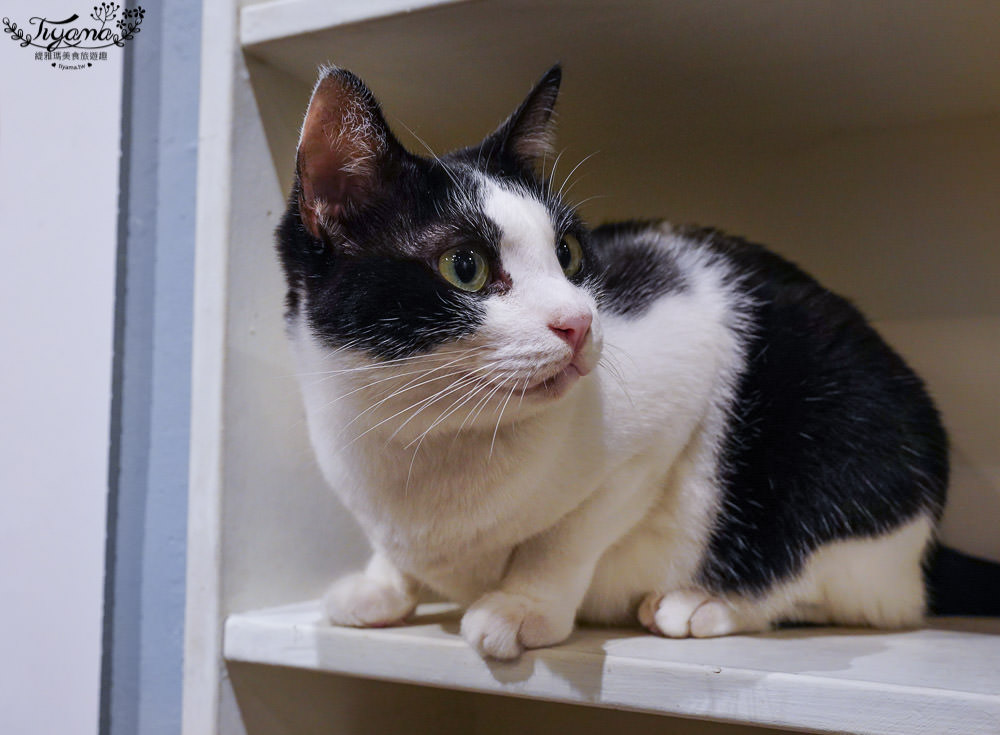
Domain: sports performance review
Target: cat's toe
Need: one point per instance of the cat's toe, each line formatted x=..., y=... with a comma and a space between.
x=673, y=614
x=361, y=601
x=501, y=625
x=713, y=618
x=492, y=624
x=696, y=614
x=647, y=612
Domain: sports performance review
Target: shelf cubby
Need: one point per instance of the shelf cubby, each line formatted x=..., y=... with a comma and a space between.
x=860, y=139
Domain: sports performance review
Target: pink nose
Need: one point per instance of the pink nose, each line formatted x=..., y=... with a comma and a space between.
x=574, y=329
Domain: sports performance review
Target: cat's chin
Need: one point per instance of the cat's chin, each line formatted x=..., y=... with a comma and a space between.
x=558, y=385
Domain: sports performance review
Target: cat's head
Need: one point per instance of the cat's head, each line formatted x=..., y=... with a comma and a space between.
x=463, y=277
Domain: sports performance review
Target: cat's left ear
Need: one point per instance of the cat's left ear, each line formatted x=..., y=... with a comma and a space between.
x=346, y=154
x=529, y=134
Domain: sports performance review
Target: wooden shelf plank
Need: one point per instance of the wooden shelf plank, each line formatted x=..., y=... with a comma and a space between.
x=785, y=66
x=271, y=21
x=938, y=680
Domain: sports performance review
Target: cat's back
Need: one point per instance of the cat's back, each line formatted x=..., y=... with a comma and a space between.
x=832, y=436
x=829, y=434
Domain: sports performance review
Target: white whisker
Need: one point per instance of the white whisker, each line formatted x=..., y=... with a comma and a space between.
x=383, y=364
x=457, y=404
x=456, y=385
x=482, y=404
x=500, y=418
x=393, y=395
x=435, y=156
x=420, y=441
x=559, y=194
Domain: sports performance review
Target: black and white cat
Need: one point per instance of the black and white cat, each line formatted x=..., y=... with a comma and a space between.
x=547, y=423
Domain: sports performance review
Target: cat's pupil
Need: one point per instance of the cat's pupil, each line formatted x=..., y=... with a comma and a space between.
x=564, y=255
x=464, y=262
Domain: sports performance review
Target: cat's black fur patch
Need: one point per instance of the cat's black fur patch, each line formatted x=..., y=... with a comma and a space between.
x=385, y=296
x=632, y=268
x=831, y=435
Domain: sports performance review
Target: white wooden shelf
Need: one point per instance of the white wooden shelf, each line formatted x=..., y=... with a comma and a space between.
x=728, y=64
x=266, y=22
x=939, y=680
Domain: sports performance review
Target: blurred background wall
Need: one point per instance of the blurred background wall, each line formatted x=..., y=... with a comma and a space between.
x=97, y=182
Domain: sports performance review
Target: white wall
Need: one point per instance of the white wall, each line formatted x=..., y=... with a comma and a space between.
x=59, y=158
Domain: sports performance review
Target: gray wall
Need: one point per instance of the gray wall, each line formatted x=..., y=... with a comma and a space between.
x=144, y=608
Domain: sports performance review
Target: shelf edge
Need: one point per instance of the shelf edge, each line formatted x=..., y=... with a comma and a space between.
x=262, y=23
x=763, y=698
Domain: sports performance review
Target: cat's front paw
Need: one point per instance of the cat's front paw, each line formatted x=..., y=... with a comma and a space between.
x=362, y=601
x=501, y=625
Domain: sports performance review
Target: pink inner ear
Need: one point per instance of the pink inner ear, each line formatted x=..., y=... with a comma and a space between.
x=324, y=187
x=341, y=138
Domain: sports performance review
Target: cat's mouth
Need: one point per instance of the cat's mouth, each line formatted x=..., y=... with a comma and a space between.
x=556, y=385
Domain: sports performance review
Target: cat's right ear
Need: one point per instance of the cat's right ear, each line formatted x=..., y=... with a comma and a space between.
x=346, y=150
x=529, y=134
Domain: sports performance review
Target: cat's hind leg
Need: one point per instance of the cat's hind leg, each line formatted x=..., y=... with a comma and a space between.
x=872, y=582
x=378, y=597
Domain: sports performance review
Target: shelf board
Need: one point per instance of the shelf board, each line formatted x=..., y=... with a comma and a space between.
x=939, y=680
x=266, y=22
x=686, y=64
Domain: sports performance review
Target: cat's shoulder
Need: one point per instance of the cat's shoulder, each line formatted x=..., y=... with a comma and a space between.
x=635, y=262
x=640, y=260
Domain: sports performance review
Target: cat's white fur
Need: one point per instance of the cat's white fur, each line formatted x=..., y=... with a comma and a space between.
x=535, y=510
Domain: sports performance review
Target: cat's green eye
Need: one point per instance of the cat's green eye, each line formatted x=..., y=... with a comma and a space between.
x=570, y=255
x=465, y=268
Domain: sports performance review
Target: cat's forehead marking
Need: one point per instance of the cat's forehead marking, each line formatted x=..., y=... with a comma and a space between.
x=526, y=230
